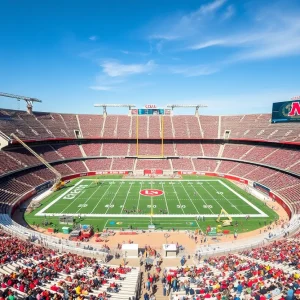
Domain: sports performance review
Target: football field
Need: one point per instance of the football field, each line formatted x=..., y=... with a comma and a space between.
x=179, y=203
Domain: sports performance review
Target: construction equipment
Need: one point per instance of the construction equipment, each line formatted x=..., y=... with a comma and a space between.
x=225, y=214
x=28, y=100
x=59, y=183
x=196, y=106
x=104, y=106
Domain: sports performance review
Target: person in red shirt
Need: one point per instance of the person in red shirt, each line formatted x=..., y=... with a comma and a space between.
x=54, y=288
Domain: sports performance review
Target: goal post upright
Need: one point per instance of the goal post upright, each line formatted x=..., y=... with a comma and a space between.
x=137, y=135
x=162, y=135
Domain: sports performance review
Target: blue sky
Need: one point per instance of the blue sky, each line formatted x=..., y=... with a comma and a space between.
x=236, y=56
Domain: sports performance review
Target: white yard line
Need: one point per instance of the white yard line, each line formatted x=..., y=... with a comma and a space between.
x=72, y=201
x=137, y=209
x=261, y=213
x=151, y=209
x=213, y=198
x=165, y=197
x=92, y=196
x=207, y=206
x=102, y=198
x=40, y=213
x=156, y=216
x=190, y=198
x=199, y=226
x=177, y=198
x=247, y=201
x=116, y=193
x=230, y=203
x=147, y=180
x=126, y=198
x=105, y=224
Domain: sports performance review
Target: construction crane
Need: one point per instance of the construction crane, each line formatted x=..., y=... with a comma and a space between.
x=58, y=181
x=113, y=105
x=28, y=100
x=197, y=106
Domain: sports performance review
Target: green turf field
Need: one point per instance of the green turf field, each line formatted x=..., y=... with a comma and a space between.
x=118, y=203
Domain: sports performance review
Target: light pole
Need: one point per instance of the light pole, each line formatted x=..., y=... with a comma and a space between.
x=124, y=258
x=166, y=235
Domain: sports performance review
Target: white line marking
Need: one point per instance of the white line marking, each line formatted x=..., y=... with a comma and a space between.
x=177, y=197
x=156, y=216
x=126, y=198
x=165, y=198
x=247, y=201
x=116, y=193
x=190, y=198
x=147, y=180
x=137, y=209
x=88, y=198
x=224, y=198
x=40, y=213
x=101, y=198
x=202, y=198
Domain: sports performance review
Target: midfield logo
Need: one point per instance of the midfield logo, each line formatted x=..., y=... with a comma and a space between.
x=151, y=192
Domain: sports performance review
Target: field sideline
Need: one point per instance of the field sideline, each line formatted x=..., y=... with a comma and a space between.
x=114, y=203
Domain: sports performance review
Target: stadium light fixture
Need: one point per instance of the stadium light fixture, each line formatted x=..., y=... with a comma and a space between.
x=196, y=106
x=29, y=100
x=104, y=106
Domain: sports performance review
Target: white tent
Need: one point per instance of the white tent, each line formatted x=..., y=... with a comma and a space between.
x=130, y=250
x=170, y=250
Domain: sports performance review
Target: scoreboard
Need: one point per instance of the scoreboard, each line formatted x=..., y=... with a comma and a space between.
x=288, y=111
x=151, y=111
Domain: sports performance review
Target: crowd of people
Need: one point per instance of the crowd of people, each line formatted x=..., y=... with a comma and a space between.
x=40, y=273
x=241, y=276
x=285, y=251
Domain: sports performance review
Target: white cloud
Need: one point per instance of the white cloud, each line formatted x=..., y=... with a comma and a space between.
x=226, y=104
x=179, y=27
x=113, y=68
x=280, y=41
x=163, y=37
x=272, y=36
x=106, y=83
x=230, y=11
x=139, y=53
x=192, y=71
x=207, y=44
x=243, y=39
x=101, y=88
x=211, y=7
x=93, y=38
x=265, y=33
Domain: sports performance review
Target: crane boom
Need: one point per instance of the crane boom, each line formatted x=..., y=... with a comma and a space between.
x=42, y=160
x=104, y=106
x=20, y=97
x=28, y=100
x=197, y=106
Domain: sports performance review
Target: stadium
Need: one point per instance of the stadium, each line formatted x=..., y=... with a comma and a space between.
x=151, y=172
x=150, y=150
